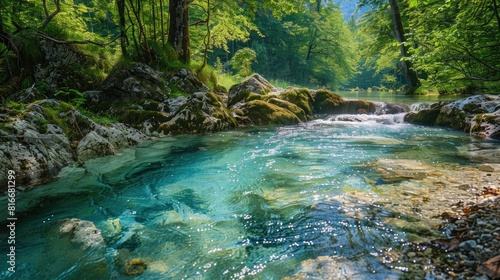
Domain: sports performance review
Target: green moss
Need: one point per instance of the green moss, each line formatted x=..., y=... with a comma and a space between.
x=423, y=117
x=296, y=110
x=301, y=97
x=326, y=101
x=263, y=113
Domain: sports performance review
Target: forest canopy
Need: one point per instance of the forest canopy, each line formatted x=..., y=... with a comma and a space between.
x=420, y=46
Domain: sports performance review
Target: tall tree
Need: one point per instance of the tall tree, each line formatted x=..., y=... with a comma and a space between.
x=178, y=29
x=406, y=66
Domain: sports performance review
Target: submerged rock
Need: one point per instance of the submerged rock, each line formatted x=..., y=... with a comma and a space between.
x=82, y=232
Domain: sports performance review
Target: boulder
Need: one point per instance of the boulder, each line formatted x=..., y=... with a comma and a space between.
x=94, y=145
x=202, y=112
x=479, y=115
x=128, y=87
x=459, y=114
x=260, y=112
x=426, y=116
x=82, y=232
x=326, y=102
x=301, y=97
x=384, y=108
x=185, y=81
x=255, y=84
x=486, y=125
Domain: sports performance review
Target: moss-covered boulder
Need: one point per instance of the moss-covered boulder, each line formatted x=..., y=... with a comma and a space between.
x=425, y=116
x=202, y=112
x=296, y=110
x=486, y=125
x=478, y=115
x=326, y=102
x=301, y=97
x=255, y=84
x=260, y=112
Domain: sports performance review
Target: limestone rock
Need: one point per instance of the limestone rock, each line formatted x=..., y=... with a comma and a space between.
x=327, y=102
x=255, y=84
x=126, y=87
x=94, y=145
x=459, y=114
x=202, y=112
x=187, y=82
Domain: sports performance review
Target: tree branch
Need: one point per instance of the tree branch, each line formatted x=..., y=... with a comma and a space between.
x=75, y=42
x=49, y=18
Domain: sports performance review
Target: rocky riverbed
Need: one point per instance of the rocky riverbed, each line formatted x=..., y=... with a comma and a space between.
x=451, y=216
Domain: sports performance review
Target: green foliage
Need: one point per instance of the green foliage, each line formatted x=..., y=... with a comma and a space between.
x=242, y=61
x=71, y=96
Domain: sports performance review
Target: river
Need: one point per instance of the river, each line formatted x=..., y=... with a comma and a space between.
x=253, y=202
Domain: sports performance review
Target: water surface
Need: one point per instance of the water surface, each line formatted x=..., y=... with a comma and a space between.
x=246, y=203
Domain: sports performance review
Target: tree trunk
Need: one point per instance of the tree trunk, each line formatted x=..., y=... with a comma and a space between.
x=123, y=33
x=178, y=29
x=408, y=72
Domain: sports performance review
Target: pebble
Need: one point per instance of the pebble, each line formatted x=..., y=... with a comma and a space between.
x=468, y=245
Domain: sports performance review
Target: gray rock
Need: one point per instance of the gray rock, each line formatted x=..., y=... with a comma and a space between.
x=187, y=82
x=202, y=112
x=468, y=245
x=255, y=84
x=94, y=145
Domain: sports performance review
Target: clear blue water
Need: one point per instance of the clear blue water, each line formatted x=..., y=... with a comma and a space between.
x=249, y=203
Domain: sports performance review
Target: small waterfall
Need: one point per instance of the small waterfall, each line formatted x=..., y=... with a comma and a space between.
x=387, y=119
x=419, y=106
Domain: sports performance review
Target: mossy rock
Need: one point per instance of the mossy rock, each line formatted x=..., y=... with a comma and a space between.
x=454, y=118
x=358, y=107
x=254, y=84
x=423, y=117
x=326, y=102
x=137, y=118
x=265, y=113
x=202, y=112
x=486, y=125
x=296, y=110
x=301, y=97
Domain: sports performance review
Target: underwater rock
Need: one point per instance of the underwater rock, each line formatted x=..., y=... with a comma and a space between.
x=255, y=84
x=202, y=112
x=397, y=170
x=82, y=232
x=135, y=267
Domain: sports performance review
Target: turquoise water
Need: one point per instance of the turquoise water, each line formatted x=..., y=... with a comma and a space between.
x=250, y=203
